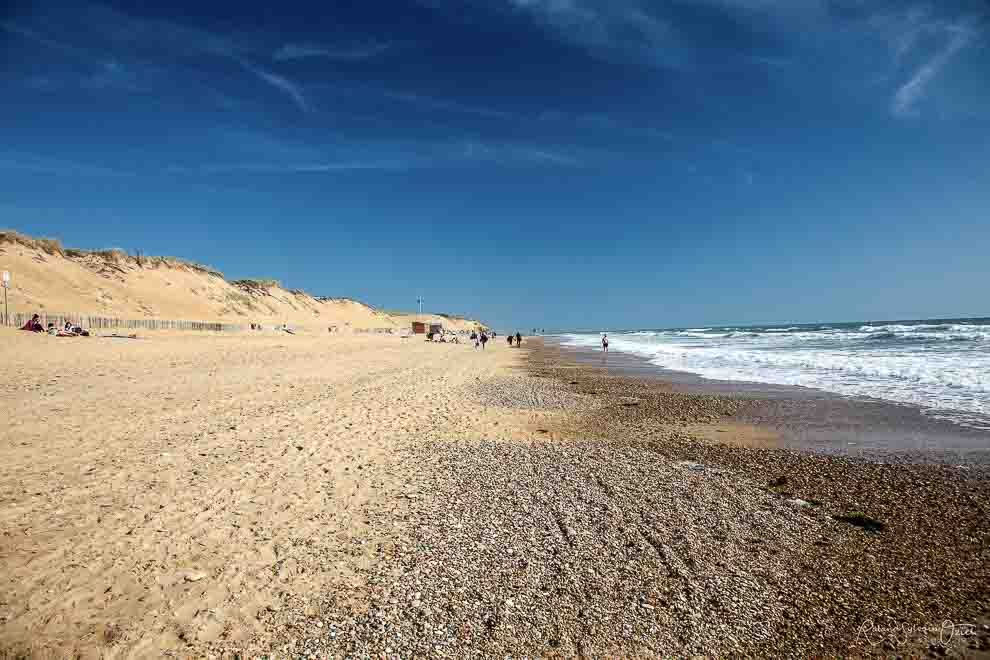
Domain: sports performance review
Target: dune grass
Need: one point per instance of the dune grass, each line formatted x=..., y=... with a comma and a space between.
x=48, y=245
x=256, y=283
x=53, y=246
x=116, y=255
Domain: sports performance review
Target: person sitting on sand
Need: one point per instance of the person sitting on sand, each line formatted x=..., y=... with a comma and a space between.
x=55, y=331
x=34, y=325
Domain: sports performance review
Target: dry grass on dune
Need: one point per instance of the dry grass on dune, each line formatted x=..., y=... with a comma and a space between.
x=111, y=282
x=53, y=246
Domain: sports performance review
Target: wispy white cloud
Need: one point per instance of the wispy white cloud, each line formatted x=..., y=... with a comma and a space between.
x=502, y=153
x=110, y=50
x=165, y=37
x=283, y=84
x=26, y=32
x=873, y=45
x=433, y=103
x=911, y=93
x=113, y=74
x=354, y=51
x=769, y=62
x=255, y=145
x=105, y=73
x=426, y=156
x=249, y=152
x=320, y=167
x=612, y=29
x=606, y=123
x=35, y=164
x=536, y=155
x=118, y=47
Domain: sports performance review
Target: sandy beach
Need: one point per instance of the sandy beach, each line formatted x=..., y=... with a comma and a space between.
x=161, y=492
x=315, y=496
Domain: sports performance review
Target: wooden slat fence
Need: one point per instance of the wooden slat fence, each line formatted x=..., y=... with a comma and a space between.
x=18, y=319
x=374, y=331
x=90, y=322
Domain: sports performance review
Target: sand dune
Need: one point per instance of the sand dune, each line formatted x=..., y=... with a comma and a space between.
x=53, y=279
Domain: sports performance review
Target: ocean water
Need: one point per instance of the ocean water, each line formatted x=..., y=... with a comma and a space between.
x=941, y=366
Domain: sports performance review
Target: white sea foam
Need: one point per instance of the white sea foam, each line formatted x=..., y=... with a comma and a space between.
x=943, y=367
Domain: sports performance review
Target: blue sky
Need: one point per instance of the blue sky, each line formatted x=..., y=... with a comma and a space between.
x=552, y=163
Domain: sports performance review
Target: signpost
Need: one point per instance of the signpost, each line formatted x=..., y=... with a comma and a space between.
x=5, y=281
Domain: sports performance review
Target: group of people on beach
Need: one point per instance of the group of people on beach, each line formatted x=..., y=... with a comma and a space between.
x=69, y=330
x=443, y=337
x=480, y=339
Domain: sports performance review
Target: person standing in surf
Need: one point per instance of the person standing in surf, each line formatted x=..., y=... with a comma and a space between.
x=605, y=342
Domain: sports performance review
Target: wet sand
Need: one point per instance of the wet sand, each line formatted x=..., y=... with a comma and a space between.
x=808, y=419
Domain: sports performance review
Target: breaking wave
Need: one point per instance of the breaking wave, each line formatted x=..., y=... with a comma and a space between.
x=940, y=366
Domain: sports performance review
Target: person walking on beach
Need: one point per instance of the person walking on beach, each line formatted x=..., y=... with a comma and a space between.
x=484, y=340
x=510, y=340
x=605, y=342
x=518, y=340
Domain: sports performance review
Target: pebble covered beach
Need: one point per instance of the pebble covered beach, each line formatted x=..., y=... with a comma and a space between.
x=613, y=532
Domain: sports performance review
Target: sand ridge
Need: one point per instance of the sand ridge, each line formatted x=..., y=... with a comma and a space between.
x=112, y=283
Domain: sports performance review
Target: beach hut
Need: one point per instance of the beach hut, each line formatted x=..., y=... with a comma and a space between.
x=427, y=327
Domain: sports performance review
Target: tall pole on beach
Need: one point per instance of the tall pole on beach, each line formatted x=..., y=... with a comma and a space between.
x=5, y=283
